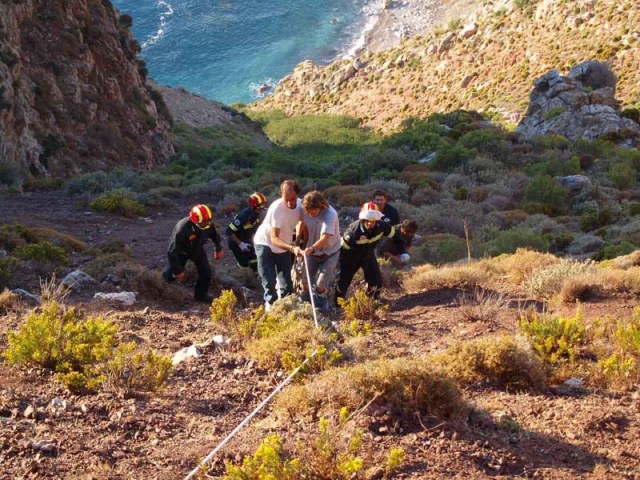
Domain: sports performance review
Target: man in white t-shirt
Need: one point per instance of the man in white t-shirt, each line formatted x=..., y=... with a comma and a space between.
x=322, y=234
x=273, y=243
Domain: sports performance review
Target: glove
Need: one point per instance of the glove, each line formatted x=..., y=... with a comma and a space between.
x=179, y=276
x=218, y=254
x=245, y=247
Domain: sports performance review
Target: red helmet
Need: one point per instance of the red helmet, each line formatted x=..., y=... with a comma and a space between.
x=257, y=200
x=370, y=211
x=201, y=215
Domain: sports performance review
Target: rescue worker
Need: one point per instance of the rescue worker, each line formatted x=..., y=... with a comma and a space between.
x=397, y=249
x=241, y=230
x=322, y=234
x=187, y=243
x=358, y=250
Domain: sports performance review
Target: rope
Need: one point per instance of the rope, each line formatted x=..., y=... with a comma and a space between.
x=313, y=302
x=279, y=387
x=213, y=452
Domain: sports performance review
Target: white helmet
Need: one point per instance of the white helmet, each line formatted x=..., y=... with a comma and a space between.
x=369, y=211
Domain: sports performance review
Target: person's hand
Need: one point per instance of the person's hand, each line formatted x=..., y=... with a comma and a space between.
x=218, y=254
x=179, y=276
x=308, y=251
x=245, y=247
x=296, y=251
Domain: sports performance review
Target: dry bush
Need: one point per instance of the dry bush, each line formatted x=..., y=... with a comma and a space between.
x=426, y=277
x=627, y=261
x=347, y=195
x=501, y=362
x=8, y=301
x=481, y=305
x=546, y=282
x=403, y=384
x=53, y=291
x=517, y=267
x=580, y=289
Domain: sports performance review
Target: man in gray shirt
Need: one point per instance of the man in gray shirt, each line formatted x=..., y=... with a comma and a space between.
x=322, y=233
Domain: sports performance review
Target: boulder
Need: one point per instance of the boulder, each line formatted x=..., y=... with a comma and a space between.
x=580, y=105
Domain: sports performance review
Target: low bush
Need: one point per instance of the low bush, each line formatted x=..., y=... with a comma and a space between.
x=362, y=307
x=8, y=300
x=426, y=277
x=481, y=305
x=508, y=241
x=554, y=338
x=119, y=202
x=129, y=371
x=61, y=340
x=547, y=281
x=500, y=362
x=402, y=384
x=8, y=266
x=44, y=252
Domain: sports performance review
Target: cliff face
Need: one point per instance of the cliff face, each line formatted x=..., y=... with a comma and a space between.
x=72, y=91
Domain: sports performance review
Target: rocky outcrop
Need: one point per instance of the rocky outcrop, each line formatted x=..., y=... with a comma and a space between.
x=581, y=104
x=73, y=96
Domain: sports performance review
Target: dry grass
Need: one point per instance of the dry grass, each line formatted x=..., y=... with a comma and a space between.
x=481, y=305
x=403, y=384
x=501, y=362
x=53, y=291
x=427, y=277
x=516, y=268
x=8, y=301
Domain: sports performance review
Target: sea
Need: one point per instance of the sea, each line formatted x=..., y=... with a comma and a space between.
x=237, y=50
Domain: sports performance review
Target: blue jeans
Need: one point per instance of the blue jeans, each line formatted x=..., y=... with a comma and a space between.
x=271, y=266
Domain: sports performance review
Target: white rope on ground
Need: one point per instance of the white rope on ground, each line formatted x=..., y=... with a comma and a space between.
x=313, y=302
x=208, y=458
x=279, y=387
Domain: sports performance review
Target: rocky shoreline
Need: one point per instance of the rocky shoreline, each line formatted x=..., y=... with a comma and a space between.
x=401, y=19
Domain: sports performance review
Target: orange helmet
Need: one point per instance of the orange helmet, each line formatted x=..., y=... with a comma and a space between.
x=201, y=215
x=257, y=200
x=370, y=211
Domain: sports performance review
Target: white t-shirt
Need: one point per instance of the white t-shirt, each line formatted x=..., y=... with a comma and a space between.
x=326, y=222
x=282, y=217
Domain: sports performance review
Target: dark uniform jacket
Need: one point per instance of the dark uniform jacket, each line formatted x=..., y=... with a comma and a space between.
x=396, y=245
x=391, y=215
x=361, y=242
x=187, y=242
x=244, y=225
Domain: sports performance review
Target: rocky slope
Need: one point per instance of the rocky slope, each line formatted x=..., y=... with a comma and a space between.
x=486, y=61
x=73, y=96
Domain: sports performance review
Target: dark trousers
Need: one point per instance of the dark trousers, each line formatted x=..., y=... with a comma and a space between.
x=204, y=273
x=272, y=266
x=350, y=264
x=244, y=259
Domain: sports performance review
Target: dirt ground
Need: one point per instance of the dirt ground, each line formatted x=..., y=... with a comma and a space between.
x=46, y=432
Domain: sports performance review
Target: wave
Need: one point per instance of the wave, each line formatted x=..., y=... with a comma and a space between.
x=371, y=11
x=154, y=38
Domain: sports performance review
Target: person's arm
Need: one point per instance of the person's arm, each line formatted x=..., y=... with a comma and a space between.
x=319, y=244
x=277, y=242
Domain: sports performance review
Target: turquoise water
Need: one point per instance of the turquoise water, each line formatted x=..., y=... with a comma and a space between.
x=227, y=49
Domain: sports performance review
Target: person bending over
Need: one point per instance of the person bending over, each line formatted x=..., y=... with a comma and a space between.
x=242, y=228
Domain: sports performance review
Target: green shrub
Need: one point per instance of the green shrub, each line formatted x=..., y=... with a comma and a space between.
x=553, y=113
x=500, y=362
x=545, y=195
x=8, y=266
x=44, y=252
x=60, y=340
x=362, y=307
x=554, y=338
x=129, y=371
x=592, y=220
x=450, y=157
x=119, y=202
x=616, y=250
x=508, y=241
x=90, y=183
x=268, y=463
x=623, y=175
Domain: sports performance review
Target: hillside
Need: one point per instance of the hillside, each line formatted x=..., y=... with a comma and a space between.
x=486, y=61
x=508, y=429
